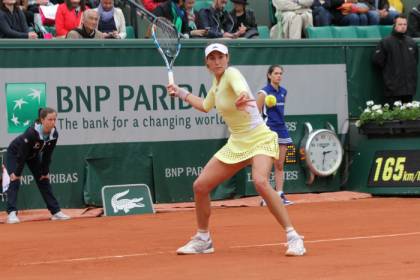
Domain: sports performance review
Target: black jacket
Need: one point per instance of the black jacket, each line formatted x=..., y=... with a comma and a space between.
x=331, y=6
x=13, y=25
x=165, y=10
x=414, y=22
x=250, y=23
x=216, y=21
x=397, y=56
x=29, y=145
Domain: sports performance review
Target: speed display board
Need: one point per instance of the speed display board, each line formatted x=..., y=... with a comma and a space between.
x=397, y=168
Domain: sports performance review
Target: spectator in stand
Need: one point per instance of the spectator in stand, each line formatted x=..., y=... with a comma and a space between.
x=244, y=19
x=88, y=28
x=397, y=56
x=68, y=16
x=193, y=20
x=396, y=5
x=218, y=21
x=31, y=8
x=151, y=5
x=28, y=7
x=380, y=12
x=342, y=16
x=414, y=22
x=321, y=16
x=296, y=16
x=174, y=11
x=111, y=20
x=13, y=22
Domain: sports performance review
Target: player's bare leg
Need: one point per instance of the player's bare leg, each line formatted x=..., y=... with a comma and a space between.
x=213, y=174
x=261, y=168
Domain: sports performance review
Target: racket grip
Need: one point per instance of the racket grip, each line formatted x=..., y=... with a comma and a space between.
x=171, y=77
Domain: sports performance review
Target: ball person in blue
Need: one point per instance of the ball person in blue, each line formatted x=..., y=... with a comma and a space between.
x=34, y=147
x=271, y=101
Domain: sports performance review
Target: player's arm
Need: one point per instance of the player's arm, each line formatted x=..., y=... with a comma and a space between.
x=240, y=87
x=244, y=100
x=195, y=101
x=260, y=100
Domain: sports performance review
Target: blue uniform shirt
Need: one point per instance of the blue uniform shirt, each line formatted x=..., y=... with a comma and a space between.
x=274, y=116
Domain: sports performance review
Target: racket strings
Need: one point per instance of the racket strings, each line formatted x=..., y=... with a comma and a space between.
x=167, y=37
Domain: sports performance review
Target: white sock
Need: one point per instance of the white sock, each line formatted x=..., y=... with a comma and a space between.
x=291, y=233
x=203, y=235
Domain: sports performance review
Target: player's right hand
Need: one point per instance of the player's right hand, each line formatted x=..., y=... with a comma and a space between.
x=173, y=90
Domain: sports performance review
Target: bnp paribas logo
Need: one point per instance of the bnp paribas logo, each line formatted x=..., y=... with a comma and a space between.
x=23, y=101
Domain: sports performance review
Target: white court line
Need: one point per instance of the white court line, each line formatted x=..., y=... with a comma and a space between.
x=331, y=240
x=97, y=258
x=232, y=247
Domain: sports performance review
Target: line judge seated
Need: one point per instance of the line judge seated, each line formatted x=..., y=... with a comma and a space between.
x=88, y=27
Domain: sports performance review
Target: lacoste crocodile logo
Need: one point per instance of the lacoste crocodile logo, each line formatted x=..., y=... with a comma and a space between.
x=125, y=204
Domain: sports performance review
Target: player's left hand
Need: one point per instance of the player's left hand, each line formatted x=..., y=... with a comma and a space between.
x=244, y=101
x=44, y=177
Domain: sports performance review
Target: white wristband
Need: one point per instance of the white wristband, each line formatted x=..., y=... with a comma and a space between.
x=182, y=93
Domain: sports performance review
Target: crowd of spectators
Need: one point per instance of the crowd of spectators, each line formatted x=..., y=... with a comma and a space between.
x=31, y=18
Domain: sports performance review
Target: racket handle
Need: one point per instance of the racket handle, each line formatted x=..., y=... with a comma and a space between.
x=171, y=77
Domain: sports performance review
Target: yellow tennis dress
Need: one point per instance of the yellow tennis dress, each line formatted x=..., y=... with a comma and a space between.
x=249, y=135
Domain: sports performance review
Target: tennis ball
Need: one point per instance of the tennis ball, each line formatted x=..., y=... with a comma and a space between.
x=270, y=101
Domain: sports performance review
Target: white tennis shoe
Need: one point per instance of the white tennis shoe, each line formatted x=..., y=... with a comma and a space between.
x=60, y=216
x=196, y=246
x=295, y=247
x=12, y=218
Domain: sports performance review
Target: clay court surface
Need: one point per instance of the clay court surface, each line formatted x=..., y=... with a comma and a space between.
x=358, y=238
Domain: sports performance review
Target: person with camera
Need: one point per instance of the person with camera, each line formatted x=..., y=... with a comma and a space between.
x=111, y=20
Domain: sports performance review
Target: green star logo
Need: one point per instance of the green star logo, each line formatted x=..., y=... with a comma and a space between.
x=23, y=102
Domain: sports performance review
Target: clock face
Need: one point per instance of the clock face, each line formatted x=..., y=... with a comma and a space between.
x=323, y=152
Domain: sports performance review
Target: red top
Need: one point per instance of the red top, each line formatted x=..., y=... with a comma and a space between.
x=66, y=20
x=150, y=5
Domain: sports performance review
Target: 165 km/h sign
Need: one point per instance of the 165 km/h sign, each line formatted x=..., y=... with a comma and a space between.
x=395, y=169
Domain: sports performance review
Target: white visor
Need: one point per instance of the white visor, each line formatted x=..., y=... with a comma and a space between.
x=216, y=47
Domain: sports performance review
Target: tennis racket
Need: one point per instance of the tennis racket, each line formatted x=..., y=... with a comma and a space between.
x=167, y=41
x=165, y=36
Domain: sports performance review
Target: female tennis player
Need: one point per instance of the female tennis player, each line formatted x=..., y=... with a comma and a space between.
x=250, y=142
x=34, y=147
x=274, y=117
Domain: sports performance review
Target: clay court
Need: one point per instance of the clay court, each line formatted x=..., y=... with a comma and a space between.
x=347, y=237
